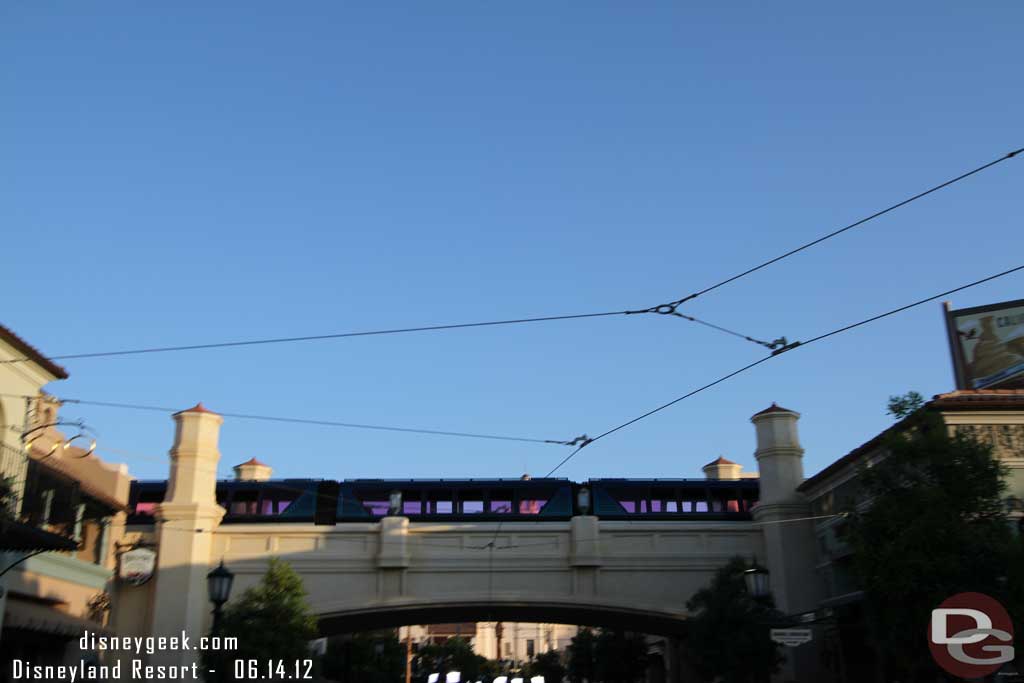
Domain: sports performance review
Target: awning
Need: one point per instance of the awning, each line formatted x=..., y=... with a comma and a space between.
x=42, y=618
x=28, y=538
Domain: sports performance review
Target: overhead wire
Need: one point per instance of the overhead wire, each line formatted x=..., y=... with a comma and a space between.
x=665, y=309
x=320, y=423
x=774, y=354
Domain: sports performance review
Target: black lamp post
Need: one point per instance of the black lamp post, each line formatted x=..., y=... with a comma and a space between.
x=218, y=585
x=758, y=580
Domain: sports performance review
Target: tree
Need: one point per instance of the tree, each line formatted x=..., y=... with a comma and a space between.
x=369, y=657
x=272, y=621
x=621, y=657
x=454, y=654
x=547, y=664
x=931, y=524
x=582, y=656
x=607, y=656
x=729, y=637
x=905, y=405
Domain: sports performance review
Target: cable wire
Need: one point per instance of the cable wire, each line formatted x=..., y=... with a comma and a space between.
x=669, y=308
x=779, y=352
x=321, y=423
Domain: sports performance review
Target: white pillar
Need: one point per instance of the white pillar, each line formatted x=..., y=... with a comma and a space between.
x=186, y=520
x=789, y=544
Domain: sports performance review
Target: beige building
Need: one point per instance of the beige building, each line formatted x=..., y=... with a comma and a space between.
x=995, y=416
x=62, y=496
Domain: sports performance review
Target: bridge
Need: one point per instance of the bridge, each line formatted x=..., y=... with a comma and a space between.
x=380, y=553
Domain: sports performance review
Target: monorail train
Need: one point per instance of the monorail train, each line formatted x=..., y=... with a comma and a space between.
x=323, y=501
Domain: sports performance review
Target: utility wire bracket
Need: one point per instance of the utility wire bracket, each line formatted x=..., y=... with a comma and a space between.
x=672, y=309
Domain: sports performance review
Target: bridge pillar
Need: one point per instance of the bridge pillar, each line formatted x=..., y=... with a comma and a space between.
x=585, y=554
x=185, y=523
x=392, y=557
x=789, y=544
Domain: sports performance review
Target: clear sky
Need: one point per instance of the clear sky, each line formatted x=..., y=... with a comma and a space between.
x=192, y=171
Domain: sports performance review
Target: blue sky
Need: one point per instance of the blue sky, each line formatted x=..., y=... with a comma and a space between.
x=179, y=172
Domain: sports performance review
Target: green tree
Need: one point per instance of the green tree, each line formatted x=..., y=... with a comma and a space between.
x=607, y=656
x=271, y=620
x=547, y=664
x=729, y=634
x=621, y=657
x=932, y=524
x=454, y=654
x=368, y=657
x=905, y=405
x=582, y=656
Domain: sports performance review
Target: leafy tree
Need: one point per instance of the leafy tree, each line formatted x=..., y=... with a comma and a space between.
x=621, y=656
x=607, y=656
x=454, y=654
x=932, y=525
x=902, y=406
x=271, y=620
x=368, y=657
x=729, y=636
x=547, y=664
x=582, y=656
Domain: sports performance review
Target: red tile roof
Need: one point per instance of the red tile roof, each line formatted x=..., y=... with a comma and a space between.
x=199, y=408
x=253, y=461
x=32, y=353
x=773, y=408
x=720, y=461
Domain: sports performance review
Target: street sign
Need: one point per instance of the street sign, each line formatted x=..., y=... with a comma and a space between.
x=791, y=637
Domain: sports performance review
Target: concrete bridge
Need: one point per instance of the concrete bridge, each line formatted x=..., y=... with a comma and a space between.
x=631, y=570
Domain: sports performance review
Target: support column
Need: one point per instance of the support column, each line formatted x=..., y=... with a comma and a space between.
x=789, y=544
x=186, y=520
x=585, y=554
x=393, y=557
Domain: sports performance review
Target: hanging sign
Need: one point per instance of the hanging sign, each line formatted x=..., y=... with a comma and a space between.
x=137, y=566
x=791, y=637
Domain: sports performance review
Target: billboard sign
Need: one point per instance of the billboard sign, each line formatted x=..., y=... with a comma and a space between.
x=988, y=345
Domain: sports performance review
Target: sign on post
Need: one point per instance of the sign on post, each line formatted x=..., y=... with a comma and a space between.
x=791, y=637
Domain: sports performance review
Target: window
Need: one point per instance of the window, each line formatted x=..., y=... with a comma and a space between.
x=529, y=648
x=376, y=508
x=472, y=507
x=700, y=506
x=501, y=507
x=79, y=516
x=147, y=509
x=47, y=505
x=531, y=506
x=244, y=503
x=411, y=507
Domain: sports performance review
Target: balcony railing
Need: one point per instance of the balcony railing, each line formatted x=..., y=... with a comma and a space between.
x=37, y=509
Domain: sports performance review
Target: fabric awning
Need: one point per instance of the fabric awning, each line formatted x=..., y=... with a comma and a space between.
x=42, y=618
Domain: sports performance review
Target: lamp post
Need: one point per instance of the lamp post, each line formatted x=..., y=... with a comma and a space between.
x=218, y=585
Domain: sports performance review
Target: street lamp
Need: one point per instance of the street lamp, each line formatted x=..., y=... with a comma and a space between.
x=758, y=580
x=394, y=503
x=583, y=500
x=218, y=585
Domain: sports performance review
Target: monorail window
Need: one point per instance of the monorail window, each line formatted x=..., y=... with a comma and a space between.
x=245, y=503
x=147, y=509
x=439, y=503
x=377, y=508
x=411, y=507
x=274, y=506
x=501, y=507
x=472, y=507
x=531, y=506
